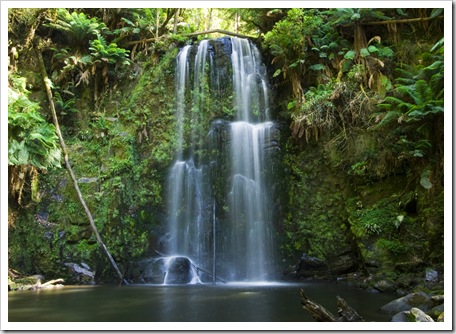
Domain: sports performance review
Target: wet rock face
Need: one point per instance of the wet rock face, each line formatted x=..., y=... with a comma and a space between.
x=309, y=266
x=179, y=271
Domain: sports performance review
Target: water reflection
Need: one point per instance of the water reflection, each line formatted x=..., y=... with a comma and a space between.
x=239, y=302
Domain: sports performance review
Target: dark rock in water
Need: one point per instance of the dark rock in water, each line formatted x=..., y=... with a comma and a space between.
x=148, y=271
x=179, y=271
x=419, y=300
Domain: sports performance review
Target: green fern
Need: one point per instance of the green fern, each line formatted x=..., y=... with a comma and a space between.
x=31, y=140
x=102, y=52
x=415, y=103
x=77, y=26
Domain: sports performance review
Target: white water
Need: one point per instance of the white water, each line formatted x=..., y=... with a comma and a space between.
x=239, y=246
x=251, y=243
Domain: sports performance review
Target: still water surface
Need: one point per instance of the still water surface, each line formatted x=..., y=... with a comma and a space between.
x=198, y=303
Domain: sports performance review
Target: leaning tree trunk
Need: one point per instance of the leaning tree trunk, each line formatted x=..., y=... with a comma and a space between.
x=46, y=82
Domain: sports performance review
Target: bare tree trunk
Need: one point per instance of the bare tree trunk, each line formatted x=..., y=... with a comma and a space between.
x=46, y=82
x=208, y=22
x=157, y=21
x=176, y=16
x=360, y=40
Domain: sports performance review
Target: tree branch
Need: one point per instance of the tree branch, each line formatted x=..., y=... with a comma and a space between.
x=47, y=86
x=212, y=31
x=419, y=19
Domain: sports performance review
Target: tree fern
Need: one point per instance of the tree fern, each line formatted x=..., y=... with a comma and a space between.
x=77, y=27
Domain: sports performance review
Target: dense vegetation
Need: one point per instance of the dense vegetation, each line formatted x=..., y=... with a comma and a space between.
x=358, y=94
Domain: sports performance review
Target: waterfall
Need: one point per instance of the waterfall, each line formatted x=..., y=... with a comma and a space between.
x=219, y=199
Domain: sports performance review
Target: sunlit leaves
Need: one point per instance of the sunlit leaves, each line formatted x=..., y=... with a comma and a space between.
x=350, y=54
x=77, y=26
x=111, y=54
x=31, y=140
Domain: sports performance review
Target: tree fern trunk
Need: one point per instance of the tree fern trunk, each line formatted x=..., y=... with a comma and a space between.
x=360, y=40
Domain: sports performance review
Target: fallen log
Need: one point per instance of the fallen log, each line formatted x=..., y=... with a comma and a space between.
x=319, y=313
x=54, y=281
x=38, y=284
x=346, y=312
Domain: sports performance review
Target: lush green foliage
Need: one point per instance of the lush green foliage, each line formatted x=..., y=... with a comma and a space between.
x=78, y=28
x=414, y=107
x=111, y=54
x=31, y=139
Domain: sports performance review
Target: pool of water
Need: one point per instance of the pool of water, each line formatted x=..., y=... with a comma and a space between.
x=188, y=303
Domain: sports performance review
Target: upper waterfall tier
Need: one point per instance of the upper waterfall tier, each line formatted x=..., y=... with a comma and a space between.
x=249, y=81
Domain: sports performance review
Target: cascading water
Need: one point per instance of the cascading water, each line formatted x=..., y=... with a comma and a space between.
x=219, y=200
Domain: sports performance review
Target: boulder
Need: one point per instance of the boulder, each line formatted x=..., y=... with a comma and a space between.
x=403, y=316
x=414, y=315
x=380, y=282
x=407, y=281
x=431, y=275
x=419, y=300
x=147, y=271
x=440, y=318
x=385, y=285
x=81, y=274
x=309, y=266
x=420, y=316
x=178, y=271
x=438, y=299
x=343, y=264
x=436, y=311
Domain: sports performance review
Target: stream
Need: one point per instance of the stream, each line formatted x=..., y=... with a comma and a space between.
x=248, y=302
